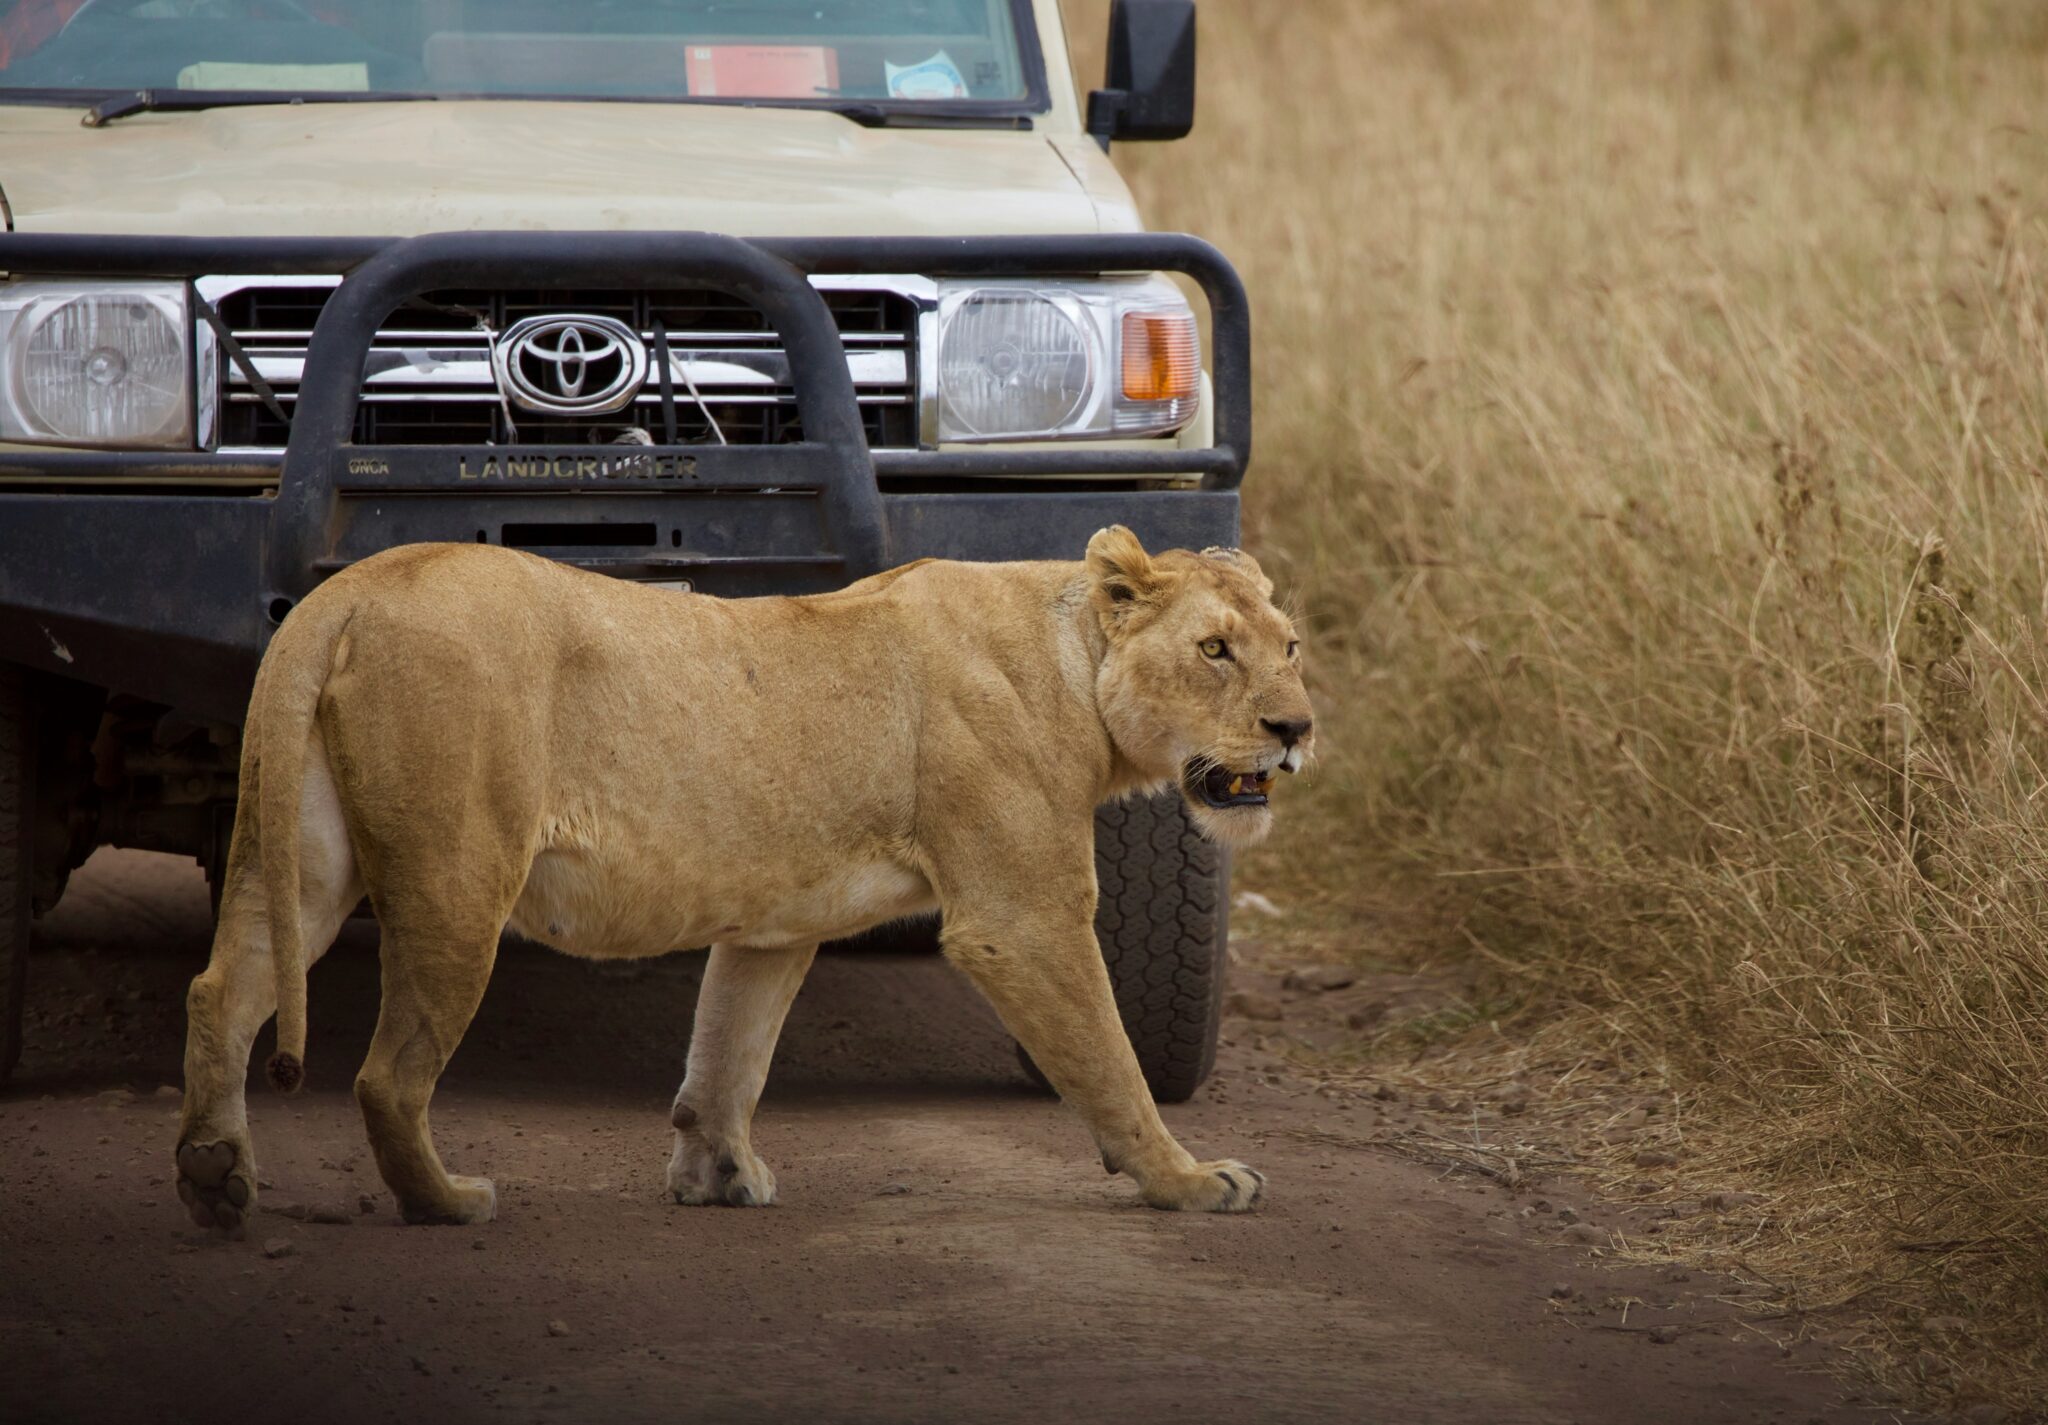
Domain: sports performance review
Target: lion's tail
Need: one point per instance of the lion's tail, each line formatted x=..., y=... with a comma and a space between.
x=283, y=707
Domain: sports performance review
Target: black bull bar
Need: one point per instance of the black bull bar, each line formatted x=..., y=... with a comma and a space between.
x=170, y=591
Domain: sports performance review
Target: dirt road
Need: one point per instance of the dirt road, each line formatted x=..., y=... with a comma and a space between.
x=947, y=1248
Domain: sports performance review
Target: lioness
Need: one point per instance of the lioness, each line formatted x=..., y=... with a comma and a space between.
x=479, y=737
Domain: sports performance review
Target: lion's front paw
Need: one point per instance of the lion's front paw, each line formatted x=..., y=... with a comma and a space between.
x=700, y=1175
x=1224, y=1186
x=216, y=1183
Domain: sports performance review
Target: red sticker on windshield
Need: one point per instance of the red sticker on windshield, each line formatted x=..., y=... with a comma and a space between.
x=763, y=71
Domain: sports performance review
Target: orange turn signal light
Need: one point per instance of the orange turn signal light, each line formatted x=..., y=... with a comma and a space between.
x=1162, y=357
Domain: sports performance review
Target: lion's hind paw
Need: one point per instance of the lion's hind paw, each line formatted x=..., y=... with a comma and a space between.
x=215, y=1185
x=464, y=1202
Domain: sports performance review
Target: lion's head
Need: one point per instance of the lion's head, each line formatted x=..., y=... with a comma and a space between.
x=1201, y=684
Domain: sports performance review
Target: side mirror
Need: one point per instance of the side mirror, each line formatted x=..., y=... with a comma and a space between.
x=1149, y=90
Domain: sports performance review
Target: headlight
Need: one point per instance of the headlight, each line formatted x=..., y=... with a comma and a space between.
x=103, y=363
x=1027, y=360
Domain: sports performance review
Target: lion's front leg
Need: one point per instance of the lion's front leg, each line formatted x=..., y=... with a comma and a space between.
x=745, y=997
x=1042, y=970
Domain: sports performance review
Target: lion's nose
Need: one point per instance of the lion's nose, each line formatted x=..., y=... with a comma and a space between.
x=1288, y=730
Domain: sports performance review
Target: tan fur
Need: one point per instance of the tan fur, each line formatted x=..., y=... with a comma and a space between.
x=479, y=737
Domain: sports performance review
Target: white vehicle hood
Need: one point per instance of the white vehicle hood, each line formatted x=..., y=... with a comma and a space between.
x=398, y=169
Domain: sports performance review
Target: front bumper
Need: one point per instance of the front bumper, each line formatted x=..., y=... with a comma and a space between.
x=172, y=596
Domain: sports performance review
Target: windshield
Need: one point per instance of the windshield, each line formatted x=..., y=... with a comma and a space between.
x=957, y=55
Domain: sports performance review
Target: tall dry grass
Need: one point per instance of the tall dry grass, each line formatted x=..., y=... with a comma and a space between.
x=1653, y=414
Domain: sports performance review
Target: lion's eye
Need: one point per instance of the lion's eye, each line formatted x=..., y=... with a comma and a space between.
x=1293, y=647
x=1215, y=648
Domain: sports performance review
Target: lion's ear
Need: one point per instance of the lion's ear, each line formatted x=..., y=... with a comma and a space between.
x=1122, y=572
x=1243, y=563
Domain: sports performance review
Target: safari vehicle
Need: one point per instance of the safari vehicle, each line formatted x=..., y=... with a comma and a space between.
x=743, y=296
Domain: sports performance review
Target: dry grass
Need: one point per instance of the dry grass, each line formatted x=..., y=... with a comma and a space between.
x=1654, y=415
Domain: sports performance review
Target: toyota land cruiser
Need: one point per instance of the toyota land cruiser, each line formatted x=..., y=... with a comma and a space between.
x=745, y=296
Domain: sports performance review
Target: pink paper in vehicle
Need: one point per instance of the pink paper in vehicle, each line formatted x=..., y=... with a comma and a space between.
x=763, y=71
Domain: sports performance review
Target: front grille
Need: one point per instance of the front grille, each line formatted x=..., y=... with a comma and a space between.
x=428, y=378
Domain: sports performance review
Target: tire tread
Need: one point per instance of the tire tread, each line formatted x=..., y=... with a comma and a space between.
x=1162, y=920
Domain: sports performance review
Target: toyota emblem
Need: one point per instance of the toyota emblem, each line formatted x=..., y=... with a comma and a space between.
x=570, y=365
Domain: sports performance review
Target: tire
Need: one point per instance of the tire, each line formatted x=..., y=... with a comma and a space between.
x=1162, y=916
x=17, y=803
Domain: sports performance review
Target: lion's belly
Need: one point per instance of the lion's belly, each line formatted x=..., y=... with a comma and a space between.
x=577, y=902
x=843, y=902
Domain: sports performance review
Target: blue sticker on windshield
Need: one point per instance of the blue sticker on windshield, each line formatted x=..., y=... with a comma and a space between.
x=934, y=78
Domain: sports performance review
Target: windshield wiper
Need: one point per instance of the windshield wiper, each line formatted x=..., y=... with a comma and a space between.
x=181, y=101
x=868, y=115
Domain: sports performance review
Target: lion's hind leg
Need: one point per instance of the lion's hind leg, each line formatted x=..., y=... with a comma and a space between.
x=740, y=1008
x=229, y=1002
x=434, y=971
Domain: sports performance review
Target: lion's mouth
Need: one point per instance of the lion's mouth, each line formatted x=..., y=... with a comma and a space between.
x=1220, y=787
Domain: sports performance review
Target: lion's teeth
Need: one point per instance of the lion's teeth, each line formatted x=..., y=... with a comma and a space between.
x=1236, y=783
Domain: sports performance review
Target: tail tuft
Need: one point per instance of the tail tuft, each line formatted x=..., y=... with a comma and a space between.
x=286, y=1072
x=283, y=715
